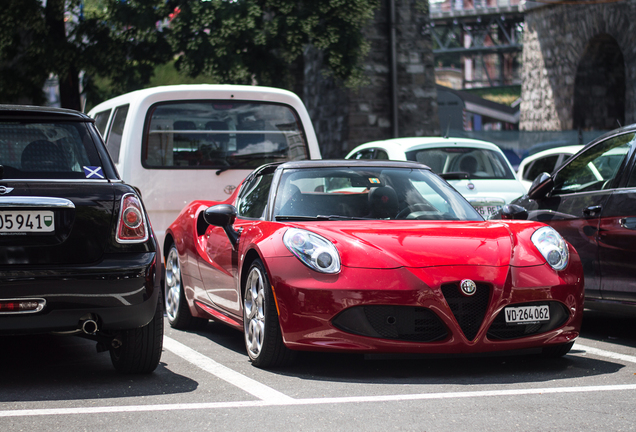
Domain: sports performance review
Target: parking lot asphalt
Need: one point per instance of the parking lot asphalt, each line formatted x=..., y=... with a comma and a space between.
x=205, y=382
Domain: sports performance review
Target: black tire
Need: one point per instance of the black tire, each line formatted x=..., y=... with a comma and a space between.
x=177, y=311
x=263, y=338
x=557, y=351
x=140, y=349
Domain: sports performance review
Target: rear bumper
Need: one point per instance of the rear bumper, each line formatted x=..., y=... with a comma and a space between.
x=121, y=292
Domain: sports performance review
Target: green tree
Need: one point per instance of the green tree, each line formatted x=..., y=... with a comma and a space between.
x=113, y=39
x=246, y=41
x=22, y=71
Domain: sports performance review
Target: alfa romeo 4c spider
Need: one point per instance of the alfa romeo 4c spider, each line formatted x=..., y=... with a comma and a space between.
x=368, y=257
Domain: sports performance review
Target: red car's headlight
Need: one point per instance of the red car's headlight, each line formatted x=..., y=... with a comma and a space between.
x=313, y=250
x=552, y=246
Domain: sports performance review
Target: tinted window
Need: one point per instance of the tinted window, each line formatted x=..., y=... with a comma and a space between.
x=113, y=142
x=101, y=121
x=596, y=168
x=48, y=150
x=478, y=163
x=545, y=164
x=254, y=196
x=222, y=134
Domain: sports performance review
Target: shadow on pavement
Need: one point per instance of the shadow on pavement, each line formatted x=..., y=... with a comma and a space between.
x=52, y=367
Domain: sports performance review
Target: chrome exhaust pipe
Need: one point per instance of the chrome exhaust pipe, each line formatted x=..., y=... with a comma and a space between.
x=89, y=326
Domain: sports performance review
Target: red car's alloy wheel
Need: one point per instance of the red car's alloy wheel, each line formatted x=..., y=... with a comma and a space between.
x=263, y=338
x=254, y=312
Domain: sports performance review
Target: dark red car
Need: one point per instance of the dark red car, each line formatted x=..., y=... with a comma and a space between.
x=368, y=257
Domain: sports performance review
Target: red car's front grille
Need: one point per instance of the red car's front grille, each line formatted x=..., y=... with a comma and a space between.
x=469, y=311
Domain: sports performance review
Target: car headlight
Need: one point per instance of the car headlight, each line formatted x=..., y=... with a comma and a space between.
x=313, y=250
x=552, y=246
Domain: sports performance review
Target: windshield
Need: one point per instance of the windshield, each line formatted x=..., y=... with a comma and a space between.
x=368, y=193
x=222, y=134
x=477, y=163
x=42, y=150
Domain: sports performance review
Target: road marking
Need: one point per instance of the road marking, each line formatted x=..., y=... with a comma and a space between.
x=249, y=385
x=604, y=353
x=315, y=401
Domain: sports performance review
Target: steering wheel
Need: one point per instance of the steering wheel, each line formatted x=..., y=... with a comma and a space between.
x=412, y=208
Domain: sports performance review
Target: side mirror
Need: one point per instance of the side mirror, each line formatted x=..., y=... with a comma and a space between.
x=541, y=186
x=513, y=211
x=223, y=215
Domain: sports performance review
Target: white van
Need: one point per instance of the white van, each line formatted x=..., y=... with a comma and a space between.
x=186, y=142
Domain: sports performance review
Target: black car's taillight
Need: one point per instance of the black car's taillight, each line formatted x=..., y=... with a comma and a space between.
x=131, y=224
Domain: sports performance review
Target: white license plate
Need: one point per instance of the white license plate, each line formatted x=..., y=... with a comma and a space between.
x=527, y=314
x=27, y=221
x=487, y=211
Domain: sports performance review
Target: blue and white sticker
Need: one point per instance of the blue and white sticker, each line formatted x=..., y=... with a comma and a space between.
x=93, y=172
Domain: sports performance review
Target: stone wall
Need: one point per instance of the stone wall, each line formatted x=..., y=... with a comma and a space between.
x=556, y=38
x=345, y=118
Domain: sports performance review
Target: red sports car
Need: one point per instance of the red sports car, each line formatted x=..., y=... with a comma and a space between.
x=368, y=257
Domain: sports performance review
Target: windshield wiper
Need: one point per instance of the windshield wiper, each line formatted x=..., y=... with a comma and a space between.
x=317, y=218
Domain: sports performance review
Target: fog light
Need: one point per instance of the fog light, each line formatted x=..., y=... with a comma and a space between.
x=21, y=306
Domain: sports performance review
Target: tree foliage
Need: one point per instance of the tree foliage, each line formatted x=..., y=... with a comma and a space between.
x=22, y=64
x=121, y=42
x=114, y=39
x=243, y=41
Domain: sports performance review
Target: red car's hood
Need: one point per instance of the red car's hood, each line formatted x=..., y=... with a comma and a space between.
x=392, y=244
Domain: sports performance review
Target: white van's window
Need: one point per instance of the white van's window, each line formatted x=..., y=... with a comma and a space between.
x=113, y=142
x=221, y=134
x=101, y=121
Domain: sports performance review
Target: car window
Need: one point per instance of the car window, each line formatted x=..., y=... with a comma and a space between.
x=221, y=134
x=596, y=168
x=541, y=165
x=253, y=197
x=478, y=163
x=369, y=193
x=363, y=154
x=41, y=150
x=113, y=142
x=101, y=121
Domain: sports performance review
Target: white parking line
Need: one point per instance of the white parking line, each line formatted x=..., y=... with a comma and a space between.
x=604, y=353
x=316, y=401
x=271, y=397
x=249, y=385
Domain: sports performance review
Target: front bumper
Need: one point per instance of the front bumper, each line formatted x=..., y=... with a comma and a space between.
x=121, y=292
x=327, y=312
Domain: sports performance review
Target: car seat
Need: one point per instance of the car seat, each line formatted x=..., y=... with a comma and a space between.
x=383, y=202
x=468, y=164
x=43, y=156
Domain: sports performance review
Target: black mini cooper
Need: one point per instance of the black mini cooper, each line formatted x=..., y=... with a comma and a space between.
x=77, y=252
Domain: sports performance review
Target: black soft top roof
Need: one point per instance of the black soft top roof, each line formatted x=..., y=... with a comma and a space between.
x=343, y=163
x=31, y=113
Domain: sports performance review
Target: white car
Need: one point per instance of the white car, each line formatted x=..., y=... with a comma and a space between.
x=479, y=170
x=544, y=161
x=185, y=142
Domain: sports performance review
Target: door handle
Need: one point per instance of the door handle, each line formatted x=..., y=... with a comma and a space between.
x=592, y=210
